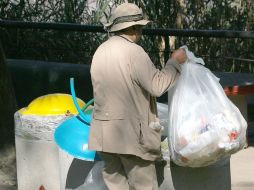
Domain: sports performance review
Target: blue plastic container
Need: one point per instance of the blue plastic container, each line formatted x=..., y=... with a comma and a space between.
x=72, y=135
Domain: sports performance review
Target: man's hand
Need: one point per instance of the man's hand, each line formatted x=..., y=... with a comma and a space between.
x=179, y=55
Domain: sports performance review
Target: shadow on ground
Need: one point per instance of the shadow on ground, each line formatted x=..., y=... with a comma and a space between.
x=250, y=134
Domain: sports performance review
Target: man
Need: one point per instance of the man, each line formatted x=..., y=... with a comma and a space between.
x=125, y=128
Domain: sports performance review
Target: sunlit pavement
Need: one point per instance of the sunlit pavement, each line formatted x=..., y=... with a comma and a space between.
x=242, y=166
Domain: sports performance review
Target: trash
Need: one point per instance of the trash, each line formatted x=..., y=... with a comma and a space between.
x=204, y=125
x=42, y=187
x=163, y=117
x=165, y=150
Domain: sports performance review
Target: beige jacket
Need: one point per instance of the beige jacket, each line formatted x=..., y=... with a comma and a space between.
x=124, y=80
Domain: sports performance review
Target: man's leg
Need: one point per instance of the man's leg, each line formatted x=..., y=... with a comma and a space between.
x=113, y=174
x=141, y=173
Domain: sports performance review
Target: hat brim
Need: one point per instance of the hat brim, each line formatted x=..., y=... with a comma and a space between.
x=121, y=26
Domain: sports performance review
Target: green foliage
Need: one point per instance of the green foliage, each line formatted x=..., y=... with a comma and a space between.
x=61, y=46
x=222, y=54
x=219, y=53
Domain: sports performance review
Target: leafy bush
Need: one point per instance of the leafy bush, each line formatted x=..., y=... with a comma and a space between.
x=224, y=54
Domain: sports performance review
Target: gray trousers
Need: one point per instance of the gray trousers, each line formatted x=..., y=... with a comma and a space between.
x=128, y=172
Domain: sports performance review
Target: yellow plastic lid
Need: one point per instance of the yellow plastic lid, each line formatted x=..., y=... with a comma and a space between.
x=52, y=104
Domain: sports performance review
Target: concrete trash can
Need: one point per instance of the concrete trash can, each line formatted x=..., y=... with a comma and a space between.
x=216, y=176
x=36, y=152
x=78, y=174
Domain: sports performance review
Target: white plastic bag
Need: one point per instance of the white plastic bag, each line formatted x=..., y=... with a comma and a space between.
x=163, y=117
x=204, y=125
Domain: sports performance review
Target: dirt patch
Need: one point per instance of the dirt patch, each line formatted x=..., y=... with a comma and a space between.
x=8, y=174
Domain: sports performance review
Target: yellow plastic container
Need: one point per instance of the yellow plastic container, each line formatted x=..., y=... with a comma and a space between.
x=52, y=104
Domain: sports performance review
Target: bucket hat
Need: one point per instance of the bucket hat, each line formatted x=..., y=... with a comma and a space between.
x=124, y=16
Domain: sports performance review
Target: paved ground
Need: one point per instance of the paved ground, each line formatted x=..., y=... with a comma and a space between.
x=242, y=168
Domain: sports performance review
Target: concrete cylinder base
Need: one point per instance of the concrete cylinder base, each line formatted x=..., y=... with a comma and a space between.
x=216, y=176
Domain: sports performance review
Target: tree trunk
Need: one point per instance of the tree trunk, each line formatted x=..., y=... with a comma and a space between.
x=7, y=104
x=8, y=174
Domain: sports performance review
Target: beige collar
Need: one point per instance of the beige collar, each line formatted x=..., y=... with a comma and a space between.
x=126, y=37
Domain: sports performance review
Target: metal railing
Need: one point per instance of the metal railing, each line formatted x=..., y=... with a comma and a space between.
x=147, y=31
